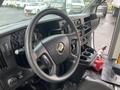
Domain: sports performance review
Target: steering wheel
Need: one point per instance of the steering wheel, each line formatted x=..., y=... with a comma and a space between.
x=54, y=49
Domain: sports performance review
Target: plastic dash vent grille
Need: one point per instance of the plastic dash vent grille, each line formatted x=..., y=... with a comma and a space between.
x=3, y=64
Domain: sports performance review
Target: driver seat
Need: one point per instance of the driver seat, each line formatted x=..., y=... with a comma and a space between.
x=92, y=84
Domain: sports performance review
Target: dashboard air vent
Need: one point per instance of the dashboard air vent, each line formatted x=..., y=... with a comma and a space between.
x=3, y=64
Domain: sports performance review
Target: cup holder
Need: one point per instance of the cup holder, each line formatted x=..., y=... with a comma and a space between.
x=83, y=58
x=87, y=54
x=89, y=50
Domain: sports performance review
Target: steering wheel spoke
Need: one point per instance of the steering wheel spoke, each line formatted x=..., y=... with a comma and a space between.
x=38, y=51
x=53, y=70
x=41, y=52
x=50, y=64
x=72, y=36
x=73, y=56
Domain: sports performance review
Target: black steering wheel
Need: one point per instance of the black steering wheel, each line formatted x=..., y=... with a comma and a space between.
x=54, y=49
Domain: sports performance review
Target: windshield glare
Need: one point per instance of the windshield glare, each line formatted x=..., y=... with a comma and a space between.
x=76, y=1
x=58, y=1
x=13, y=11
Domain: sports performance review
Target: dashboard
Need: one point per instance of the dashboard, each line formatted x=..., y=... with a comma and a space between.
x=14, y=68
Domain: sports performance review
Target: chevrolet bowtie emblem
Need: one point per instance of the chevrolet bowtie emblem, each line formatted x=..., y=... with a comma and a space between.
x=60, y=47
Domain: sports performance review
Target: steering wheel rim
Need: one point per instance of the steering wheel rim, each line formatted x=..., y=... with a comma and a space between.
x=32, y=56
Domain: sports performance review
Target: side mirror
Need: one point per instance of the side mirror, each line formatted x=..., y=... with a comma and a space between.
x=102, y=10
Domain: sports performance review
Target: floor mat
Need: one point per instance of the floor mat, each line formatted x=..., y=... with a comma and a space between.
x=107, y=73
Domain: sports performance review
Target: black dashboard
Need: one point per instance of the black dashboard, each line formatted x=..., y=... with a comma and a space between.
x=14, y=69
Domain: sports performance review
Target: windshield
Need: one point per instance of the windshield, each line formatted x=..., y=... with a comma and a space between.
x=13, y=11
x=58, y=1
